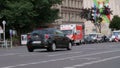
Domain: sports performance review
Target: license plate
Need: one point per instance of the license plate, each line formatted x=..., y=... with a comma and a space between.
x=36, y=42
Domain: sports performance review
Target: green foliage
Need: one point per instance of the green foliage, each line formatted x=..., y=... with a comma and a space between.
x=85, y=13
x=115, y=23
x=25, y=15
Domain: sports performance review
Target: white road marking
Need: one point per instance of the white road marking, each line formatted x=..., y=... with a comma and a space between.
x=68, y=67
x=85, y=58
x=93, y=62
x=52, y=60
x=33, y=54
x=64, y=54
x=9, y=54
x=23, y=55
x=20, y=54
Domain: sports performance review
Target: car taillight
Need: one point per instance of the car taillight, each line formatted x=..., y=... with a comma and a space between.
x=28, y=37
x=46, y=36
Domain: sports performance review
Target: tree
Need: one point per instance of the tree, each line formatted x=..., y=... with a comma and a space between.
x=96, y=14
x=115, y=23
x=25, y=15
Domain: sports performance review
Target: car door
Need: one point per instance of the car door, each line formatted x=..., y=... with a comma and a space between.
x=61, y=40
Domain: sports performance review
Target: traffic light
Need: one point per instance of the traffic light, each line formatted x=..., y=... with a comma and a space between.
x=92, y=14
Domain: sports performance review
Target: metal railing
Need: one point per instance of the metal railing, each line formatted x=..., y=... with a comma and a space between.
x=6, y=44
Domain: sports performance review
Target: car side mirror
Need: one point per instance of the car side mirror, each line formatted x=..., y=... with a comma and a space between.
x=75, y=33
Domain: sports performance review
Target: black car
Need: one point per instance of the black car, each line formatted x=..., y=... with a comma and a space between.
x=49, y=38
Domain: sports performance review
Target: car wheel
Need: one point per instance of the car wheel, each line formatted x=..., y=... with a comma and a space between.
x=69, y=46
x=48, y=49
x=30, y=49
x=53, y=47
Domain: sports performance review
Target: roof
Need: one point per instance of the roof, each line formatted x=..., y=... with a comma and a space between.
x=116, y=31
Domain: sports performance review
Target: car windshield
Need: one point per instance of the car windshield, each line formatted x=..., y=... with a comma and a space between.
x=67, y=31
x=43, y=31
x=92, y=35
x=38, y=32
x=116, y=33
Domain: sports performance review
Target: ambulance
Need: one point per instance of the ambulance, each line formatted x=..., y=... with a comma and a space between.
x=73, y=31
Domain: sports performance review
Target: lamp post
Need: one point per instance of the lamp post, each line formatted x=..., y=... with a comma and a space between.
x=4, y=22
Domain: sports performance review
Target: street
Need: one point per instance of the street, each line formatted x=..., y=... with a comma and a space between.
x=98, y=55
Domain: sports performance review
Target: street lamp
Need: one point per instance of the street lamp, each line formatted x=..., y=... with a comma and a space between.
x=4, y=22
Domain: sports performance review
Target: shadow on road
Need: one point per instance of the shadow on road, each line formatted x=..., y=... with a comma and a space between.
x=44, y=51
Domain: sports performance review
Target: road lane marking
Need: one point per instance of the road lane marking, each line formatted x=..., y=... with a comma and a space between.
x=52, y=60
x=64, y=54
x=9, y=54
x=23, y=55
x=68, y=67
x=85, y=58
x=94, y=62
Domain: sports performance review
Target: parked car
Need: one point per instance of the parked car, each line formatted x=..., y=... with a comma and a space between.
x=48, y=38
x=96, y=37
x=115, y=36
x=87, y=40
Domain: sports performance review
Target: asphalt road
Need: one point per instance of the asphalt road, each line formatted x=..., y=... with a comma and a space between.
x=101, y=55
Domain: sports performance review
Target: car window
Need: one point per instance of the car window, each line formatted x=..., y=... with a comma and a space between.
x=49, y=30
x=41, y=32
x=37, y=32
x=92, y=35
x=67, y=31
x=58, y=32
x=116, y=33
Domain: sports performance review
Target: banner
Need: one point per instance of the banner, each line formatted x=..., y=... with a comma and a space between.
x=100, y=4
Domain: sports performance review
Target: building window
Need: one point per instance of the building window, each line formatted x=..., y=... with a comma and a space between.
x=61, y=15
x=80, y=4
x=65, y=16
x=72, y=16
x=69, y=17
x=66, y=2
x=63, y=3
x=71, y=3
x=78, y=19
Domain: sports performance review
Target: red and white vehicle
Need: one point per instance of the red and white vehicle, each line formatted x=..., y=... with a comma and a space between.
x=73, y=31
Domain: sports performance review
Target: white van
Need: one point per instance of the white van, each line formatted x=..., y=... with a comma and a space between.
x=23, y=39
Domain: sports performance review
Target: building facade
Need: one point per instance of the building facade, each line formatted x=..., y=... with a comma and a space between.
x=115, y=7
x=70, y=12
